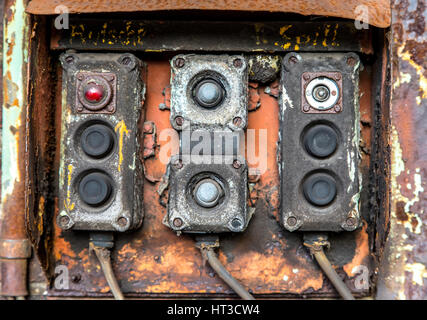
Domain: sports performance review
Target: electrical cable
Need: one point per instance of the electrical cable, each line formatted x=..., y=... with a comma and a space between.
x=316, y=244
x=207, y=249
x=101, y=247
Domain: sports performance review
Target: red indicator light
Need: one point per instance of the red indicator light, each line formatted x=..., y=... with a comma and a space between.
x=94, y=93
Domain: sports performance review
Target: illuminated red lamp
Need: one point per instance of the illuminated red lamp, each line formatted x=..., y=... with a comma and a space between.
x=94, y=93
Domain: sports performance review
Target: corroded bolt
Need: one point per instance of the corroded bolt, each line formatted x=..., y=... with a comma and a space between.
x=292, y=221
x=110, y=108
x=293, y=60
x=236, y=223
x=306, y=76
x=237, y=63
x=179, y=121
x=177, y=222
x=337, y=76
x=80, y=77
x=351, y=61
x=76, y=278
x=351, y=221
x=122, y=221
x=125, y=61
x=237, y=121
x=306, y=108
x=179, y=62
x=178, y=164
x=64, y=220
x=337, y=108
x=79, y=108
x=69, y=59
x=237, y=164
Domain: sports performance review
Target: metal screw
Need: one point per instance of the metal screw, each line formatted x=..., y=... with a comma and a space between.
x=292, y=221
x=179, y=121
x=351, y=61
x=125, y=61
x=306, y=108
x=177, y=222
x=236, y=223
x=122, y=221
x=69, y=59
x=337, y=108
x=76, y=278
x=64, y=220
x=351, y=221
x=237, y=63
x=110, y=108
x=237, y=121
x=337, y=76
x=237, y=164
x=306, y=76
x=178, y=164
x=179, y=62
x=79, y=108
x=80, y=77
x=293, y=60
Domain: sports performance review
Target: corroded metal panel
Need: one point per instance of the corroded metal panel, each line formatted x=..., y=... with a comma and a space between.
x=378, y=10
x=403, y=274
x=153, y=261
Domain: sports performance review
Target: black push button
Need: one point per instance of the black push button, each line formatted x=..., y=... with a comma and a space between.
x=95, y=189
x=97, y=140
x=320, y=141
x=320, y=189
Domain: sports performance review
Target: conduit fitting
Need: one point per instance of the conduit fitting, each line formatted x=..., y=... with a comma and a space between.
x=14, y=254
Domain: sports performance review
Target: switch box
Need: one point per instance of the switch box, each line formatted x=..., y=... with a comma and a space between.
x=319, y=144
x=101, y=176
x=209, y=90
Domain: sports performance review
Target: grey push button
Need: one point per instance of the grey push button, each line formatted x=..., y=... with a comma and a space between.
x=97, y=140
x=320, y=189
x=208, y=93
x=207, y=193
x=320, y=141
x=95, y=189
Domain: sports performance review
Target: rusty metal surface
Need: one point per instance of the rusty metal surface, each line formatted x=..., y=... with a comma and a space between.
x=12, y=213
x=165, y=36
x=403, y=273
x=153, y=261
x=379, y=10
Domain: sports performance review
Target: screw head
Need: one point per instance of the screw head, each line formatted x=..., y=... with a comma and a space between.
x=351, y=61
x=177, y=222
x=178, y=164
x=237, y=164
x=125, y=61
x=306, y=108
x=292, y=221
x=337, y=108
x=237, y=63
x=69, y=59
x=337, y=76
x=179, y=62
x=179, y=121
x=64, y=220
x=236, y=223
x=306, y=76
x=237, y=121
x=351, y=221
x=293, y=60
x=122, y=221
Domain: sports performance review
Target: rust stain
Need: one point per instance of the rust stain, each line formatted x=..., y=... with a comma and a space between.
x=378, y=10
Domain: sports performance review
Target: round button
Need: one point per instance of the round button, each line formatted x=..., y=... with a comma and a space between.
x=207, y=193
x=320, y=141
x=95, y=189
x=93, y=93
x=208, y=93
x=97, y=140
x=321, y=93
x=320, y=189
